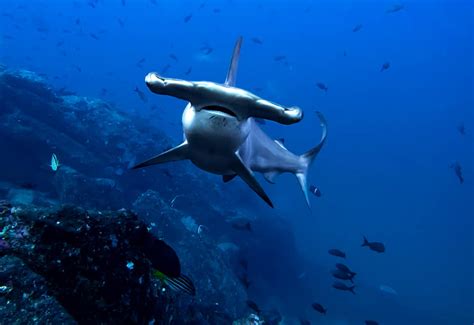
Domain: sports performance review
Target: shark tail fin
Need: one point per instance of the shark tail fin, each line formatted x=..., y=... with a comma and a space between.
x=234, y=63
x=309, y=156
x=351, y=289
x=366, y=242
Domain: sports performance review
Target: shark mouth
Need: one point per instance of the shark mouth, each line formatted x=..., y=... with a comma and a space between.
x=219, y=109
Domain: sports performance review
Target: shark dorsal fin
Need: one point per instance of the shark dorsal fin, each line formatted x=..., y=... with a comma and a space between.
x=234, y=63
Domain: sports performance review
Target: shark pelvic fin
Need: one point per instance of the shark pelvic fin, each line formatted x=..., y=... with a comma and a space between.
x=177, y=153
x=234, y=64
x=247, y=175
x=270, y=176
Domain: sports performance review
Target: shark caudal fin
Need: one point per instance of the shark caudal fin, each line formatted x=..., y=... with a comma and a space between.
x=177, y=153
x=309, y=156
x=234, y=64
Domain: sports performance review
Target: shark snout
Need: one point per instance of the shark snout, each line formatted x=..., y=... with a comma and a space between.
x=293, y=114
x=154, y=82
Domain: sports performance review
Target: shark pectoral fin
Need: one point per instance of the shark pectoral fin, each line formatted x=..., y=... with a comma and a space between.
x=247, y=175
x=302, y=180
x=177, y=153
x=270, y=176
x=228, y=178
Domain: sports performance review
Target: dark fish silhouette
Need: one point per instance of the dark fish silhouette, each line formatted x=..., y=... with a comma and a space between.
x=121, y=22
x=257, y=40
x=462, y=129
x=216, y=10
x=124, y=3
x=42, y=29
x=141, y=94
x=165, y=69
x=78, y=21
x=337, y=252
x=357, y=28
x=206, y=50
x=93, y=3
x=319, y=308
x=94, y=36
x=341, y=275
x=385, y=66
x=458, y=171
x=322, y=86
x=371, y=322
x=279, y=58
x=140, y=62
x=28, y=185
x=242, y=226
x=344, y=268
x=343, y=287
x=304, y=321
x=166, y=265
x=375, y=246
x=188, y=71
x=78, y=68
x=395, y=8
x=174, y=57
x=188, y=18
x=252, y=305
x=316, y=191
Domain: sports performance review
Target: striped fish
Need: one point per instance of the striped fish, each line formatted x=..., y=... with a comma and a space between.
x=181, y=283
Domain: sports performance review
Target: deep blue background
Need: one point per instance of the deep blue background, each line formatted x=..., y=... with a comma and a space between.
x=384, y=171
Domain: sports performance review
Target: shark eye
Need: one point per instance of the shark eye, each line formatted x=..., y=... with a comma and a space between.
x=220, y=109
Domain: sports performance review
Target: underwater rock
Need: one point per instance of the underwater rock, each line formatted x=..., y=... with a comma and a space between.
x=73, y=249
x=84, y=257
x=24, y=297
x=87, y=135
x=75, y=188
x=217, y=286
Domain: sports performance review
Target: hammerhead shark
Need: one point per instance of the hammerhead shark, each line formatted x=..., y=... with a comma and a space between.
x=221, y=135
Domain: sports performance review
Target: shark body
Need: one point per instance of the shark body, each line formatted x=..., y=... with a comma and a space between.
x=222, y=137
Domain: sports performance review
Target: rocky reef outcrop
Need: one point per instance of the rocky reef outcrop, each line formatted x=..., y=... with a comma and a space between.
x=92, y=267
x=94, y=141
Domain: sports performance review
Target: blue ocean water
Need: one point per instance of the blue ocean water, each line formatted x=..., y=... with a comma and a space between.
x=393, y=133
